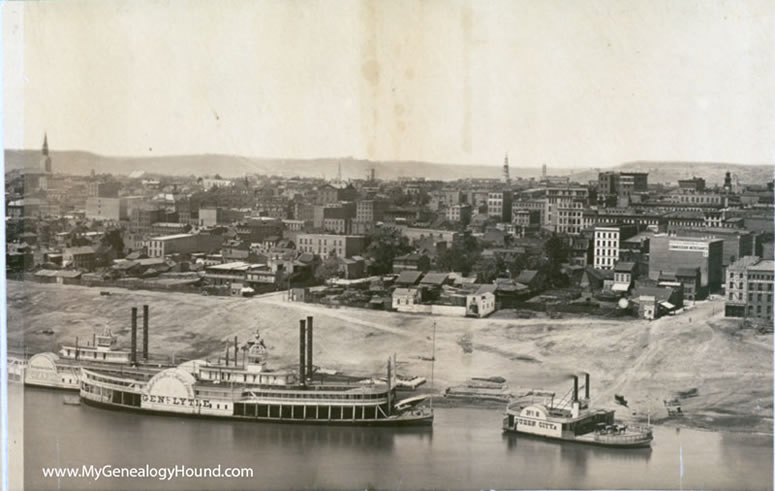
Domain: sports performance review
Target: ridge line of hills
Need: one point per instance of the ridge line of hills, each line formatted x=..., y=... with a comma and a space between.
x=230, y=166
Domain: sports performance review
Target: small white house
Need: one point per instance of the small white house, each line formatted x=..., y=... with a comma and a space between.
x=480, y=304
x=404, y=299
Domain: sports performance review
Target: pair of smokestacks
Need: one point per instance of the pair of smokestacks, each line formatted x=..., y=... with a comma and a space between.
x=305, y=349
x=576, y=387
x=134, y=334
x=236, y=352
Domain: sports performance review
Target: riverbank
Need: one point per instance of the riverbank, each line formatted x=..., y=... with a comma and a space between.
x=645, y=362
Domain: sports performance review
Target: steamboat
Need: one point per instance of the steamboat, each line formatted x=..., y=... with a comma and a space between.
x=254, y=392
x=62, y=370
x=572, y=420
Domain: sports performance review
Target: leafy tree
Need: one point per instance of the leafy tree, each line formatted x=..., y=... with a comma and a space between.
x=385, y=244
x=328, y=269
x=461, y=256
x=557, y=251
x=113, y=239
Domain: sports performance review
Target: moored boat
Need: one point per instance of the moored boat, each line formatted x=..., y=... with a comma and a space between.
x=62, y=370
x=537, y=413
x=252, y=391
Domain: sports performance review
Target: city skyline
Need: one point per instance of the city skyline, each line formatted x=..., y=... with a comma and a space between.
x=463, y=83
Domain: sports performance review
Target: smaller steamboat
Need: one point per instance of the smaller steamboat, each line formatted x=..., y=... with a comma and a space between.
x=572, y=420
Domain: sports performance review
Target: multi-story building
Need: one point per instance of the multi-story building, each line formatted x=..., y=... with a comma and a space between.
x=622, y=183
x=527, y=219
x=325, y=244
x=83, y=257
x=697, y=199
x=168, y=228
x=737, y=243
x=668, y=253
x=568, y=216
x=183, y=244
x=607, y=242
x=499, y=205
x=370, y=210
x=749, y=288
x=565, y=207
x=272, y=207
x=611, y=216
x=106, y=209
x=258, y=229
x=210, y=216
x=539, y=205
x=694, y=184
x=96, y=189
x=458, y=213
x=337, y=225
x=444, y=198
x=142, y=217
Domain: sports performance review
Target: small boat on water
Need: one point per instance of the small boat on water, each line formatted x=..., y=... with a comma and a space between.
x=537, y=413
x=252, y=391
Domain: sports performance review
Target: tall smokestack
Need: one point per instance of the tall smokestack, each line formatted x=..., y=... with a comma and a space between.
x=575, y=388
x=302, y=352
x=76, y=347
x=236, y=350
x=145, y=332
x=227, y=355
x=586, y=385
x=134, y=335
x=309, y=347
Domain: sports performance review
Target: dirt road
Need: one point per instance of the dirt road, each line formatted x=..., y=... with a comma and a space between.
x=640, y=360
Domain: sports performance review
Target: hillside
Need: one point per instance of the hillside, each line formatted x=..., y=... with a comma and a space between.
x=669, y=172
x=82, y=163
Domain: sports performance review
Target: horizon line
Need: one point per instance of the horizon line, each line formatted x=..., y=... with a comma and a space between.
x=352, y=158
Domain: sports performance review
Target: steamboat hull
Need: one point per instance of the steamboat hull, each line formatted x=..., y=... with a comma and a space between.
x=630, y=443
x=413, y=420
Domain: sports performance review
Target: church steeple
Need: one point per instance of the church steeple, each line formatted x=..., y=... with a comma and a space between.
x=45, y=161
x=505, y=178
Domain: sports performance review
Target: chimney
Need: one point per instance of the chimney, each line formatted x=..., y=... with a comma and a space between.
x=302, y=353
x=145, y=332
x=309, y=347
x=575, y=388
x=586, y=385
x=76, y=347
x=94, y=339
x=227, y=355
x=134, y=335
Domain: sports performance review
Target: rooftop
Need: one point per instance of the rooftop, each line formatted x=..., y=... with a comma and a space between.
x=172, y=237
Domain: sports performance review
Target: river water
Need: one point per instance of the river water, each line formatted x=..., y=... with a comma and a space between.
x=465, y=449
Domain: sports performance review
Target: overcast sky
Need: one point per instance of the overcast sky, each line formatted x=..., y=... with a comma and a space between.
x=588, y=83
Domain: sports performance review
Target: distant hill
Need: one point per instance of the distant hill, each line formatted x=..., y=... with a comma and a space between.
x=667, y=172
x=82, y=163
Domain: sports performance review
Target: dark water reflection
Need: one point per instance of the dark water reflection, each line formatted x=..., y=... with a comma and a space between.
x=464, y=450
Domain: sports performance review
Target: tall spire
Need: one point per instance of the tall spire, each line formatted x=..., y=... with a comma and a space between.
x=45, y=144
x=506, y=179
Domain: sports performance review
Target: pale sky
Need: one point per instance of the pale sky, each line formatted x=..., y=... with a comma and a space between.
x=587, y=83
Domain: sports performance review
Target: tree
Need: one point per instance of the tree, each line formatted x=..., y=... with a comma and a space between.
x=556, y=254
x=461, y=255
x=113, y=239
x=385, y=244
x=328, y=269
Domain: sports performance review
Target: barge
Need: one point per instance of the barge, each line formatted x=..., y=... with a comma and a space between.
x=252, y=391
x=572, y=420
